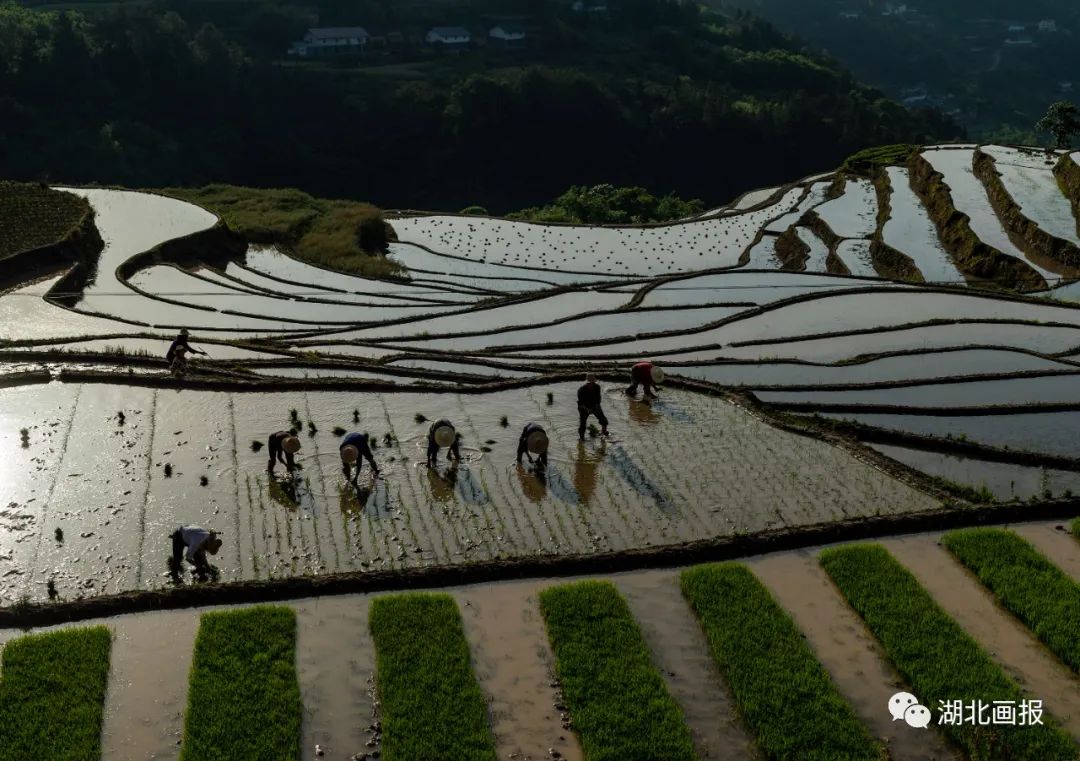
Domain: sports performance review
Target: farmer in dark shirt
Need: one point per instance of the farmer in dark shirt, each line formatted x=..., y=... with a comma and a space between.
x=282, y=445
x=588, y=403
x=354, y=447
x=180, y=340
x=439, y=436
x=533, y=439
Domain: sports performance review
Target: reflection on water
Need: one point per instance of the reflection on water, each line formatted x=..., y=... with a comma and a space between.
x=642, y=412
x=586, y=465
x=561, y=489
x=637, y=479
x=672, y=410
x=533, y=485
x=283, y=491
x=469, y=488
x=441, y=480
x=371, y=498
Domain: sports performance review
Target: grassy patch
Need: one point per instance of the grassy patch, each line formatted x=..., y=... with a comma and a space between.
x=866, y=161
x=243, y=698
x=783, y=692
x=52, y=691
x=32, y=216
x=432, y=707
x=347, y=236
x=1035, y=590
x=618, y=701
x=1074, y=527
x=935, y=656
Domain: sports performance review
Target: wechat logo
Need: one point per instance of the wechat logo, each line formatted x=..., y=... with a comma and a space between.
x=904, y=705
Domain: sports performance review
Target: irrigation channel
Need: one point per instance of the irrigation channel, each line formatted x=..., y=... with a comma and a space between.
x=836, y=358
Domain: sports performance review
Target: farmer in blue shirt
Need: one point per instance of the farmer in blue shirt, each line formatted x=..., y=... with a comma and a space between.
x=354, y=447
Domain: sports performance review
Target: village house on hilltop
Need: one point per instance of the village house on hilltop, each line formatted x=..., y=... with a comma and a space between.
x=331, y=41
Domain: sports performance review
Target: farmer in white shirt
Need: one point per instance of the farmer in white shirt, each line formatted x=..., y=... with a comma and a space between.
x=193, y=542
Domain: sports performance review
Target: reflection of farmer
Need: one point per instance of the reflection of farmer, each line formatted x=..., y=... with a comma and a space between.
x=586, y=466
x=354, y=447
x=192, y=543
x=533, y=486
x=442, y=434
x=648, y=376
x=588, y=403
x=180, y=342
x=533, y=441
x=282, y=446
x=443, y=485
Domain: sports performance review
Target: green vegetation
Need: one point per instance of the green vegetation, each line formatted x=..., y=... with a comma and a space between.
x=608, y=205
x=865, y=162
x=1062, y=121
x=1028, y=585
x=33, y=215
x=784, y=694
x=1074, y=527
x=243, y=697
x=618, y=701
x=340, y=235
x=52, y=692
x=431, y=706
x=181, y=94
x=937, y=658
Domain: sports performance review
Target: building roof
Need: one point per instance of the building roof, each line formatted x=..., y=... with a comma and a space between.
x=336, y=32
x=450, y=31
x=514, y=29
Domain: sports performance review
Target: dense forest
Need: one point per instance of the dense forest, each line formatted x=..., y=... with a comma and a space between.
x=994, y=65
x=654, y=93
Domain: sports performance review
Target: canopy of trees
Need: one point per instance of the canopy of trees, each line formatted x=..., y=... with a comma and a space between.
x=662, y=96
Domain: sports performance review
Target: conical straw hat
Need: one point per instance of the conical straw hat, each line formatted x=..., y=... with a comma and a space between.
x=350, y=454
x=537, y=442
x=657, y=375
x=291, y=444
x=445, y=435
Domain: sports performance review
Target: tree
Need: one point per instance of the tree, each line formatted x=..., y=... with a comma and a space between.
x=1062, y=120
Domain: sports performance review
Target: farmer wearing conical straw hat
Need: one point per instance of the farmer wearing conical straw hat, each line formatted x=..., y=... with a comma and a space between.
x=442, y=434
x=181, y=342
x=283, y=445
x=648, y=376
x=533, y=441
x=192, y=543
x=354, y=447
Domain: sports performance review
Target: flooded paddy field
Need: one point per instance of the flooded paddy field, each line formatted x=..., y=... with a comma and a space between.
x=685, y=468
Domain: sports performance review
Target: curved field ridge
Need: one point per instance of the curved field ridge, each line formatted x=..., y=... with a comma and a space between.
x=430, y=704
x=52, y=695
x=783, y=693
x=618, y=702
x=937, y=658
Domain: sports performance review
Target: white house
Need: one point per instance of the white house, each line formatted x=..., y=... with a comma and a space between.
x=449, y=37
x=1048, y=26
x=507, y=35
x=330, y=41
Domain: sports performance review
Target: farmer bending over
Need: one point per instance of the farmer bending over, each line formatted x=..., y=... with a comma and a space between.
x=442, y=434
x=648, y=376
x=588, y=403
x=353, y=447
x=533, y=441
x=282, y=445
x=192, y=543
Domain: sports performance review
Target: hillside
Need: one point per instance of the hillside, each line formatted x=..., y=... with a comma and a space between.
x=653, y=94
x=994, y=66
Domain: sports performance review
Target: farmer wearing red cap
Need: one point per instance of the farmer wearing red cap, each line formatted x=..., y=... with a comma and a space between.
x=648, y=376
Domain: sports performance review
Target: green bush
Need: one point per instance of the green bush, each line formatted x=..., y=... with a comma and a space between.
x=34, y=215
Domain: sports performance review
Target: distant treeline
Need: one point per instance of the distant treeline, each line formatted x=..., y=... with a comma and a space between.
x=661, y=95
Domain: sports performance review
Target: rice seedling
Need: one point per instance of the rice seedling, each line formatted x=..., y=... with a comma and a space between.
x=618, y=701
x=356, y=416
x=504, y=421
x=388, y=439
x=431, y=704
x=168, y=470
x=24, y=434
x=550, y=398
x=312, y=429
x=934, y=655
x=419, y=417
x=243, y=698
x=339, y=431
x=256, y=445
x=203, y=481
x=785, y=696
x=120, y=418
x=50, y=588
x=485, y=449
x=52, y=695
x=59, y=534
